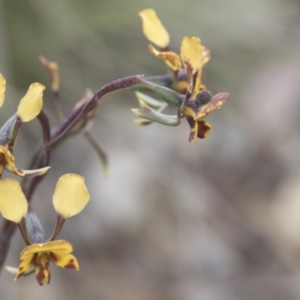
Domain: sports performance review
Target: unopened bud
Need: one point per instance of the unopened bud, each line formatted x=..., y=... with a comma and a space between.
x=34, y=228
x=9, y=130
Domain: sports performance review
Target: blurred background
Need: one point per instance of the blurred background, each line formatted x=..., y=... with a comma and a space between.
x=216, y=219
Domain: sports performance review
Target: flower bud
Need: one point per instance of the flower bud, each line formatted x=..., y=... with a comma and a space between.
x=34, y=228
x=9, y=130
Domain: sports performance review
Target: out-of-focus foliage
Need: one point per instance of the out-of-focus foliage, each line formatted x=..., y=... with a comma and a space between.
x=216, y=219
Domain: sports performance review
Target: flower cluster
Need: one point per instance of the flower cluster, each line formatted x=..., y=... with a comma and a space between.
x=71, y=194
x=183, y=89
x=69, y=198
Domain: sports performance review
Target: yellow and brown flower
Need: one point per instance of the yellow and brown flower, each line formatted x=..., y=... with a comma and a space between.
x=157, y=34
x=40, y=255
x=70, y=197
x=29, y=107
x=197, y=102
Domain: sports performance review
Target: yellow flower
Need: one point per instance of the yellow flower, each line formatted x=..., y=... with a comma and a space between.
x=198, y=102
x=155, y=31
x=29, y=107
x=70, y=197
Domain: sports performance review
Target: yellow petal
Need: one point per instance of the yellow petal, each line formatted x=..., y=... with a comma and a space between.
x=153, y=29
x=31, y=104
x=42, y=270
x=2, y=89
x=24, y=266
x=191, y=51
x=70, y=196
x=171, y=59
x=13, y=204
x=64, y=260
x=199, y=86
x=61, y=246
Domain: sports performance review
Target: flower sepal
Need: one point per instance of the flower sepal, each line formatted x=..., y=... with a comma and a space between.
x=34, y=229
x=153, y=29
x=144, y=98
x=144, y=101
x=169, y=96
x=152, y=115
x=31, y=104
x=70, y=195
x=14, y=271
x=13, y=204
x=9, y=130
x=26, y=173
x=171, y=59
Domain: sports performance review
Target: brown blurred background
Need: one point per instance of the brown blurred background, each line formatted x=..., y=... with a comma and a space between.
x=218, y=219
